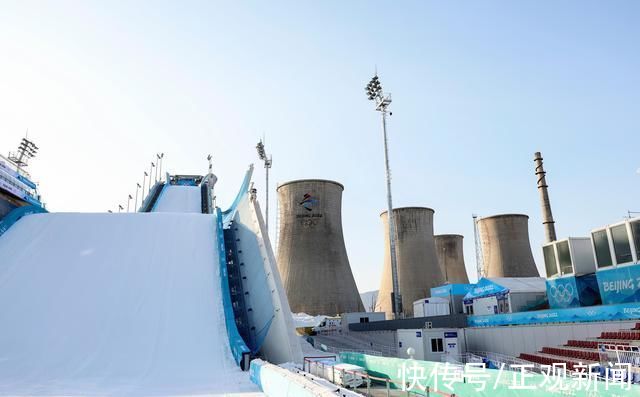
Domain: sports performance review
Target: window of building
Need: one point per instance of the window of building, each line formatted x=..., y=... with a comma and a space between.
x=564, y=258
x=550, y=260
x=364, y=319
x=635, y=230
x=436, y=345
x=621, y=245
x=601, y=246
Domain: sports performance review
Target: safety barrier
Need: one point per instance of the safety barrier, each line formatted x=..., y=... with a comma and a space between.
x=275, y=381
x=16, y=214
x=239, y=349
x=315, y=365
x=423, y=377
x=624, y=354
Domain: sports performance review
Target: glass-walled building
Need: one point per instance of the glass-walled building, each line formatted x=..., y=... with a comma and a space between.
x=617, y=244
x=617, y=254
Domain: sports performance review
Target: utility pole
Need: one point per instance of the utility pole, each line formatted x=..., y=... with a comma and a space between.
x=382, y=102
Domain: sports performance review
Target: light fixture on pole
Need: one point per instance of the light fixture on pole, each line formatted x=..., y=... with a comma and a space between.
x=109, y=211
x=374, y=93
x=262, y=154
x=157, y=162
x=144, y=183
x=151, y=173
x=210, y=160
x=120, y=208
x=160, y=165
x=128, y=202
x=135, y=205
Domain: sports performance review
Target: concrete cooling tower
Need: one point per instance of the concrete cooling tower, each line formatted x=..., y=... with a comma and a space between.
x=506, y=250
x=451, y=258
x=418, y=267
x=312, y=257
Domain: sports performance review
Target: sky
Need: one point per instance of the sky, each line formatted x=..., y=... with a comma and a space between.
x=477, y=87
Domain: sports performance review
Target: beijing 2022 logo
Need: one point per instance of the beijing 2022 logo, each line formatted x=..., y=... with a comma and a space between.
x=308, y=202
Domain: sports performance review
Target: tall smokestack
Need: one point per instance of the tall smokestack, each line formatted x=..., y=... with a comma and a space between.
x=547, y=216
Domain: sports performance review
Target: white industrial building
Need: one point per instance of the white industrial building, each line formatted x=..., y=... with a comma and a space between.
x=430, y=344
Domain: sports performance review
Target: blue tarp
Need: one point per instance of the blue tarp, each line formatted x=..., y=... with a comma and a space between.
x=484, y=288
x=446, y=290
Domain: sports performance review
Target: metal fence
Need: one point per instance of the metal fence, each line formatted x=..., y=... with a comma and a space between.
x=314, y=365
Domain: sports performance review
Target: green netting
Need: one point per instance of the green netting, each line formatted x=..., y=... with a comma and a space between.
x=455, y=379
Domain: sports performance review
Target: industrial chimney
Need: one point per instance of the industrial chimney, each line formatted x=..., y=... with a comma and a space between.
x=418, y=267
x=451, y=258
x=312, y=257
x=547, y=216
x=506, y=250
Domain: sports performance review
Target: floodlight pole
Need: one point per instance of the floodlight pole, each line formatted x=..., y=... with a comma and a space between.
x=150, y=174
x=135, y=205
x=374, y=91
x=144, y=183
x=397, y=304
x=160, y=165
x=267, y=165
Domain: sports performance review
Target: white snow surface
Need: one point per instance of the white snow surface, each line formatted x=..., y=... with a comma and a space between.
x=180, y=199
x=304, y=320
x=113, y=304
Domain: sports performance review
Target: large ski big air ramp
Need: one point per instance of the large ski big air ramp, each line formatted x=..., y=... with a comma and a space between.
x=114, y=304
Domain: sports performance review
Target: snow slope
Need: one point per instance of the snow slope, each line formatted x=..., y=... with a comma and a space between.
x=114, y=304
x=183, y=199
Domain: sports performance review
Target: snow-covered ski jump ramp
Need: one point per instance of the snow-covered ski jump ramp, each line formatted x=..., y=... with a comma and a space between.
x=133, y=304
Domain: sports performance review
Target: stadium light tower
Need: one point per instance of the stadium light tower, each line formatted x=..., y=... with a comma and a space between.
x=262, y=154
x=382, y=102
x=26, y=150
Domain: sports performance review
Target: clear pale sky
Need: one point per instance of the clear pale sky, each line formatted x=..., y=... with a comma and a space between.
x=477, y=88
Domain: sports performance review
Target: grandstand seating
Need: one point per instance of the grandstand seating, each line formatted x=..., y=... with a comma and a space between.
x=584, y=351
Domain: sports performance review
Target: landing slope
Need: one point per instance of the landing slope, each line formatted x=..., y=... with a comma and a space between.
x=113, y=304
x=179, y=199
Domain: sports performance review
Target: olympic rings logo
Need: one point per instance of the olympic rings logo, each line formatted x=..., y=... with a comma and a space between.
x=562, y=292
